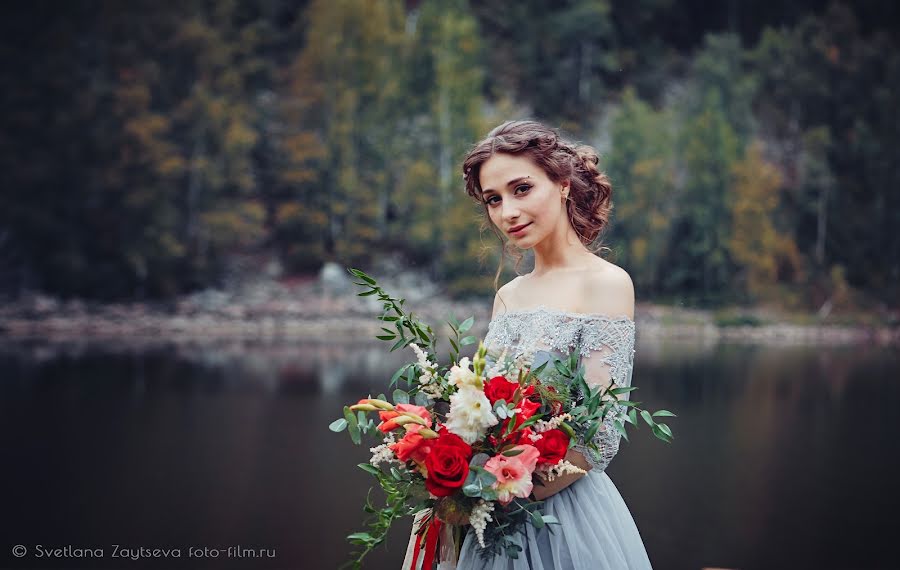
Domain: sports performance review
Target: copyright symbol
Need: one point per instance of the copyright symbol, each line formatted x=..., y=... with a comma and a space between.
x=19, y=551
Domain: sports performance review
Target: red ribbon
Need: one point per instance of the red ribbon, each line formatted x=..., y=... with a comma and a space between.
x=431, y=541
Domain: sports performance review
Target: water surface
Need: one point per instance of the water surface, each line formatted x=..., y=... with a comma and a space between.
x=784, y=456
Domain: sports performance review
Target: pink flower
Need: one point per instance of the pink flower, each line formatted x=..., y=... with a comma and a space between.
x=513, y=473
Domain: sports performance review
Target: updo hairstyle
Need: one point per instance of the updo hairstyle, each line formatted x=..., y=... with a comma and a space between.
x=590, y=194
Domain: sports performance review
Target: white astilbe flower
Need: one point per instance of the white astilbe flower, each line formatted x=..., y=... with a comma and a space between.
x=381, y=454
x=562, y=468
x=535, y=436
x=429, y=383
x=541, y=426
x=479, y=518
x=460, y=374
x=470, y=413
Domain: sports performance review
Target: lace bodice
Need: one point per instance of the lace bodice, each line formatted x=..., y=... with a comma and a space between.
x=607, y=352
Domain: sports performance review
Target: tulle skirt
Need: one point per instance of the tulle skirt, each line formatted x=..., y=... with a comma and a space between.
x=597, y=533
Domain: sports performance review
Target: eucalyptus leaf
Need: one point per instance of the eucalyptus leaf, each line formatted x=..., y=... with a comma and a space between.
x=466, y=324
x=400, y=397
x=352, y=426
x=338, y=425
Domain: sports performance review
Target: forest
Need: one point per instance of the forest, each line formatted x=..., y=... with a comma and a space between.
x=752, y=146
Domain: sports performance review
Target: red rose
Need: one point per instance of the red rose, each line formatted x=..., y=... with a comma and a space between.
x=553, y=445
x=447, y=464
x=499, y=388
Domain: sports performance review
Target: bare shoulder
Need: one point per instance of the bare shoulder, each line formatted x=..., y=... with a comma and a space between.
x=608, y=289
x=503, y=297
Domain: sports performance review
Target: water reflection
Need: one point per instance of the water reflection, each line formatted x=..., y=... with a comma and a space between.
x=174, y=445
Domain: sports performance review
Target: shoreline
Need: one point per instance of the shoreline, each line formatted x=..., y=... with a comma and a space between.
x=329, y=319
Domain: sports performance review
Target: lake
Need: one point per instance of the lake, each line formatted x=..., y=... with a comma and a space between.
x=210, y=453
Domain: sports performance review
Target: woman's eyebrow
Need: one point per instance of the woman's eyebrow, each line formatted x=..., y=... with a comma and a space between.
x=508, y=184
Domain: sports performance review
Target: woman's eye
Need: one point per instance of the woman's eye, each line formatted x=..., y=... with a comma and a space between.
x=523, y=187
x=490, y=201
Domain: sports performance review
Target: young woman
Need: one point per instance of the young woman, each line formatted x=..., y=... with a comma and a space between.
x=546, y=194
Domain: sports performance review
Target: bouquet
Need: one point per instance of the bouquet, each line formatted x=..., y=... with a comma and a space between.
x=463, y=445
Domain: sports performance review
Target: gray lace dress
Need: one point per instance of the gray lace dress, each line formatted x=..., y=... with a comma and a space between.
x=597, y=532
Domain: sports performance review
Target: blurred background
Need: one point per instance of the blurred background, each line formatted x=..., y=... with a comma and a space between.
x=183, y=184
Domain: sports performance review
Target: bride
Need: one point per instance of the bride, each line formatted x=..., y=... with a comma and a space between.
x=546, y=194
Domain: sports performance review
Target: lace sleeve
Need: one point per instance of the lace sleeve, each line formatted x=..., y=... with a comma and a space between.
x=607, y=350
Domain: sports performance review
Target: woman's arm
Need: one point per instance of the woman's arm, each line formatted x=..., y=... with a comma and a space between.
x=618, y=300
x=550, y=488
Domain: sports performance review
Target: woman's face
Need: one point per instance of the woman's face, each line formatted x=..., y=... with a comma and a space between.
x=519, y=194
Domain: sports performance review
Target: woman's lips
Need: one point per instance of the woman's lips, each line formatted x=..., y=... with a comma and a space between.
x=520, y=229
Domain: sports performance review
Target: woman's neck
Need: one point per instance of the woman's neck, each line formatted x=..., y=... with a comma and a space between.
x=561, y=252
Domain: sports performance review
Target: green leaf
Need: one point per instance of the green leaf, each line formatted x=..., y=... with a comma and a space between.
x=398, y=373
x=352, y=426
x=647, y=418
x=360, y=537
x=400, y=397
x=369, y=468
x=666, y=430
x=536, y=519
x=664, y=414
x=468, y=340
x=398, y=344
x=532, y=420
x=338, y=425
x=364, y=277
x=454, y=345
x=660, y=434
x=386, y=337
x=466, y=324
x=632, y=417
x=622, y=390
x=592, y=431
x=567, y=429
x=621, y=429
x=512, y=452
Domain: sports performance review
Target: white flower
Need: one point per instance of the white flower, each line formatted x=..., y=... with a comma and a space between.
x=562, y=468
x=470, y=413
x=479, y=518
x=541, y=426
x=381, y=454
x=460, y=375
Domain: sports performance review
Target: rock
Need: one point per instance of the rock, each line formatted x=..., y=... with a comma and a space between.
x=334, y=279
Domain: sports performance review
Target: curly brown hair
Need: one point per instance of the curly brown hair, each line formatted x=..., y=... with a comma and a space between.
x=589, y=202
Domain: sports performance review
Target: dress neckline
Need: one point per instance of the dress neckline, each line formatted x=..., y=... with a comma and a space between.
x=551, y=311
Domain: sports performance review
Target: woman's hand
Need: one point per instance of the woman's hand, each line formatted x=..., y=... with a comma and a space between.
x=550, y=488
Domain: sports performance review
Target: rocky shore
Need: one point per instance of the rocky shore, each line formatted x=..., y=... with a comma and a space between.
x=326, y=308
